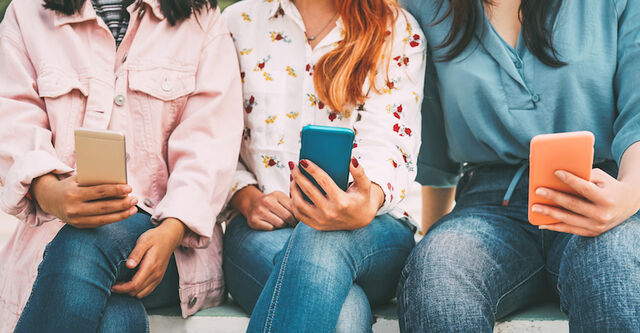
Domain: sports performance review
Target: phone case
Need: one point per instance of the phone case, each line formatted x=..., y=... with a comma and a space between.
x=330, y=149
x=572, y=152
x=100, y=157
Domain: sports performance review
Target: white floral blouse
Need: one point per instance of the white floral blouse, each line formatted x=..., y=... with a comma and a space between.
x=277, y=66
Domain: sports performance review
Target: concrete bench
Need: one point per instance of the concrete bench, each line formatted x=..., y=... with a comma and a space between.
x=229, y=318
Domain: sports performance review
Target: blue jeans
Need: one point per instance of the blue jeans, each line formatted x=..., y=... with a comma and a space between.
x=72, y=292
x=304, y=280
x=484, y=261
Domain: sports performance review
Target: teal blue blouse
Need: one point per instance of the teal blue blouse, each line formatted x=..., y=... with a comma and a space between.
x=487, y=104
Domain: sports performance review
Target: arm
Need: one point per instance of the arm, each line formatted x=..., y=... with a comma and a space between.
x=203, y=148
x=436, y=203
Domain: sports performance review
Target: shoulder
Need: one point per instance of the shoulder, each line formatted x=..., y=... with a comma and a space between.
x=424, y=11
x=243, y=12
x=407, y=33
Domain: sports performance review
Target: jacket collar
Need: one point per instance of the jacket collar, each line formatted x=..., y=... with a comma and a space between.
x=88, y=13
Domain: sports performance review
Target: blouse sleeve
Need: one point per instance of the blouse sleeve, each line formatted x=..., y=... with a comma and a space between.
x=388, y=124
x=26, y=148
x=627, y=125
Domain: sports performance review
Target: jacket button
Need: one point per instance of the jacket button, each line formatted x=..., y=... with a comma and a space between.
x=166, y=86
x=119, y=100
x=147, y=202
x=535, y=98
x=192, y=302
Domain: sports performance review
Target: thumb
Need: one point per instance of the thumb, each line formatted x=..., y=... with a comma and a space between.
x=142, y=246
x=357, y=171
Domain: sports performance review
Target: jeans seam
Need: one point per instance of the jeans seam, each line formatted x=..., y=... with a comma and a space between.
x=360, y=263
x=276, y=293
x=26, y=305
x=526, y=279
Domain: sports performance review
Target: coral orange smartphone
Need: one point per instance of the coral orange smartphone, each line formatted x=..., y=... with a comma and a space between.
x=572, y=152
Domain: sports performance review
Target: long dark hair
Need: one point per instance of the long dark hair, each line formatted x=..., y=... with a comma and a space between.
x=537, y=17
x=174, y=10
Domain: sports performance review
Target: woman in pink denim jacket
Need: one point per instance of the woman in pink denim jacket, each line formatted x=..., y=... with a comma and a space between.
x=171, y=84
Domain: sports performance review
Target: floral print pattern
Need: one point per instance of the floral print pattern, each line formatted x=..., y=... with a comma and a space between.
x=277, y=65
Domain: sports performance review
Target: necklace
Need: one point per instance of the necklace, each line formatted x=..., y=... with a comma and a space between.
x=311, y=38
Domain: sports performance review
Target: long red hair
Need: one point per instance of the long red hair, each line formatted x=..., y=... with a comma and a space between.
x=341, y=73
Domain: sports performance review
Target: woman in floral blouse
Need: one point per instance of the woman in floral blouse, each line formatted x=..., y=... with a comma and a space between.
x=354, y=64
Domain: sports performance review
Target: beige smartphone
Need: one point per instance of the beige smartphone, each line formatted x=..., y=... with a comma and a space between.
x=101, y=157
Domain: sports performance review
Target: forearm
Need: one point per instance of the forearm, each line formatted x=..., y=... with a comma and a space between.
x=436, y=203
x=630, y=170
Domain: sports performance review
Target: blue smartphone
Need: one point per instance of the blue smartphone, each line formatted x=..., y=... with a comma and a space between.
x=330, y=149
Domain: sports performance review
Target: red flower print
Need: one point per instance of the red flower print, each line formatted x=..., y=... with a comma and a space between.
x=333, y=116
x=399, y=109
x=397, y=115
x=252, y=100
x=390, y=85
x=355, y=145
x=395, y=165
x=405, y=214
x=272, y=162
x=278, y=37
x=389, y=186
x=391, y=198
x=404, y=157
x=407, y=131
x=242, y=75
x=320, y=105
x=396, y=128
x=248, y=109
x=414, y=44
x=261, y=65
x=416, y=37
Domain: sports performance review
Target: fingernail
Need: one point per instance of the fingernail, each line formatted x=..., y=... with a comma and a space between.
x=134, y=201
x=541, y=192
x=131, y=263
x=126, y=188
x=355, y=163
x=304, y=163
x=560, y=174
x=291, y=165
x=290, y=178
x=536, y=209
x=133, y=211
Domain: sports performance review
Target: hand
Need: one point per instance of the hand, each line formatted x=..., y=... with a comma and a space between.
x=153, y=252
x=83, y=206
x=603, y=203
x=264, y=211
x=338, y=210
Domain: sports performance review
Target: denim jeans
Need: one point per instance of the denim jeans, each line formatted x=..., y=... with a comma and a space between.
x=72, y=292
x=304, y=280
x=484, y=261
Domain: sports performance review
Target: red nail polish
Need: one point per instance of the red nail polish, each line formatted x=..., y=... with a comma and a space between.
x=355, y=163
x=290, y=178
x=291, y=165
x=304, y=163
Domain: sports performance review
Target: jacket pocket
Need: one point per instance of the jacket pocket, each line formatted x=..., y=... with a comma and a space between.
x=162, y=83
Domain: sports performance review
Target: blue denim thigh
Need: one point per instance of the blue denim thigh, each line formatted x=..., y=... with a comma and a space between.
x=316, y=270
x=74, y=280
x=598, y=279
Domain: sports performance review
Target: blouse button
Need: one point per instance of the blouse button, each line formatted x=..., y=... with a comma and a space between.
x=518, y=63
x=119, y=100
x=166, y=86
x=535, y=98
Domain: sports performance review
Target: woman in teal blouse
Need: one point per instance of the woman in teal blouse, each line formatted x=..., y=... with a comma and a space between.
x=502, y=72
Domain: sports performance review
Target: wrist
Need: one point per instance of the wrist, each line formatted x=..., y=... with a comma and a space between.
x=377, y=195
x=41, y=187
x=175, y=228
x=243, y=199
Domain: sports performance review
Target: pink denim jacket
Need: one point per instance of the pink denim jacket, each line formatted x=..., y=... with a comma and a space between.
x=175, y=92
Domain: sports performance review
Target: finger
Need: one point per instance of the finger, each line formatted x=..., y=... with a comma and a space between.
x=302, y=209
x=360, y=179
x=261, y=225
x=148, y=289
x=279, y=208
x=568, y=201
x=321, y=177
x=308, y=188
x=103, y=207
x=273, y=219
x=140, y=280
x=585, y=188
x=569, y=229
x=135, y=257
x=105, y=191
x=100, y=220
x=565, y=216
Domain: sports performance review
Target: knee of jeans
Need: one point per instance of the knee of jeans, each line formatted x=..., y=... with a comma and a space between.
x=72, y=245
x=355, y=316
x=328, y=250
x=597, y=261
x=124, y=314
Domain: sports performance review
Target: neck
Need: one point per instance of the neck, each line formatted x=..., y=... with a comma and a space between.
x=315, y=6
